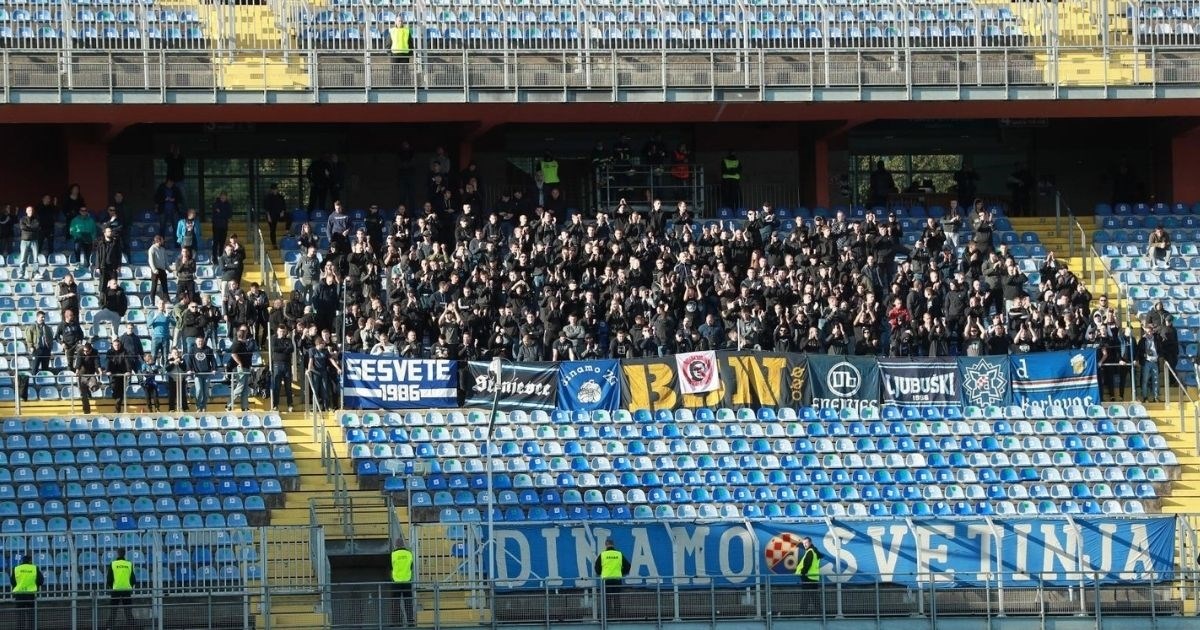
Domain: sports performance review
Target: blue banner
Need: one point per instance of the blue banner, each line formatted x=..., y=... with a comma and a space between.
x=589, y=385
x=952, y=552
x=984, y=381
x=1063, y=378
x=378, y=382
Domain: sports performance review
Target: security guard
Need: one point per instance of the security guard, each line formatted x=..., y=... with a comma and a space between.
x=549, y=168
x=26, y=579
x=731, y=181
x=808, y=567
x=121, y=581
x=400, y=42
x=612, y=567
x=402, y=586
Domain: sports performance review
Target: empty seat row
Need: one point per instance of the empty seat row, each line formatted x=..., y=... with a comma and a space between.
x=122, y=522
x=185, y=422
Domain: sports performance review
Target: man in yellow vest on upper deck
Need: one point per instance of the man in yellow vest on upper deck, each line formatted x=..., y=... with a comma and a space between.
x=612, y=566
x=121, y=581
x=402, y=586
x=808, y=567
x=26, y=580
x=549, y=168
x=400, y=42
x=731, y=181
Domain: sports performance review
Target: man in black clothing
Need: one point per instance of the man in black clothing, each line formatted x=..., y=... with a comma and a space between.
x=87, y=369
x=318, y=185
x=276, y=206
x=282, y=349
x=185, y=276
x=68, y=295
x=70, y=335
x=240, y=355
x=108, y=256
x=319, y=369
x=120, y=366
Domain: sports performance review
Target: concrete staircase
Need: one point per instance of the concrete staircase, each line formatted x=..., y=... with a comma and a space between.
x=256, y=28
x=1079, y=262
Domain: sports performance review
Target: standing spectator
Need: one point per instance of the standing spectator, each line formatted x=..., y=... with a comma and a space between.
x=222, y=214
x=68, y=295
x=337, y=227
x=177, y=370
x=882, y=184
x=185, y=276
x=241, y=356
x=151, y=370
x=966, y=182
x=39, y=342
x=1168, y=346
x=320, y=369
x=192, y=325
x=318, y=185
x=168, y=200
x=119, y=209
x=119, y=226
x=1148, y=355
x=1159, y=247
x=1020, y=184
x=187, y=232
x=175, y=166
x=132, y=342
x=201, y=366
x=337, y=177
x=160, y=322
x=87, y=370
x=157, y=259
x=282, y=350
x=83, y=233
x=120, y=367
x=731, y=181
x=8, y=222
x=276, y=206
x=681, y=172
x=47, y=214
x=230, y=265
x=108, y=256
x=31, y=231
x=69, y=335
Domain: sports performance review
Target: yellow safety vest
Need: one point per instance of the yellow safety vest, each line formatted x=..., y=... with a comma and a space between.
x=402, y=566
x=814, y=569
x=612, y=563
x=399, y=36
x=25, y=578
x=550, y=172
x=731, y=169
x=122, y=572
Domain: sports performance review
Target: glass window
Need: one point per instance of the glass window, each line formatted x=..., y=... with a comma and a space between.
x=905, y=169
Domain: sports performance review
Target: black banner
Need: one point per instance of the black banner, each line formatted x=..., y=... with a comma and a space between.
x=842, y=382
x=919, y=382
x=524, y=386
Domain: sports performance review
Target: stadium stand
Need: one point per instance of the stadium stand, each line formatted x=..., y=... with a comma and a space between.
x=1122, y=236
x=734, y=464
x=102, y=24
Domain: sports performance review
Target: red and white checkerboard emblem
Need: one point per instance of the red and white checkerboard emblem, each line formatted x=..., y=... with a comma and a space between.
x=780, y=553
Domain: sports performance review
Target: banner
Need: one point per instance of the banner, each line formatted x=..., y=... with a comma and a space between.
x=376, y=382
x=1063, y=378
x=984, y=381
x=919, y=382
x=697, y=372
x=958, y=552
x=524, y=386
x=589, y=385
x=745, y=379
x=842, y=382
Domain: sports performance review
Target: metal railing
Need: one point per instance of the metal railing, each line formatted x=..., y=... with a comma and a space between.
x=764, y=74
x=759, y=602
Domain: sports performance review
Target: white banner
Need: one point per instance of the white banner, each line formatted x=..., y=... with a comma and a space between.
x=698, y=372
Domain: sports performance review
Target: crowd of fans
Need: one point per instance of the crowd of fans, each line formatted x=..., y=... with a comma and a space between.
x=449, y=279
